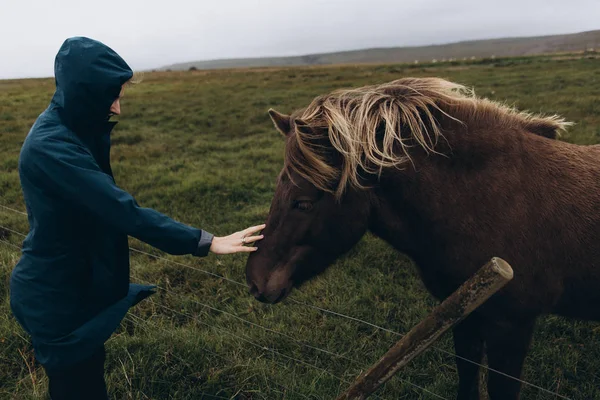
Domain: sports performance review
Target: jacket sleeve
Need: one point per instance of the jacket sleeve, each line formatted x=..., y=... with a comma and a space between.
x=69, y=170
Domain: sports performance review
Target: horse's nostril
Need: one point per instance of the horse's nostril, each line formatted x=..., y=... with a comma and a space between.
x=253, y=289
x=261, y=298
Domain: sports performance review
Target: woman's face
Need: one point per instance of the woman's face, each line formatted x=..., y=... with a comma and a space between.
x=115, y=108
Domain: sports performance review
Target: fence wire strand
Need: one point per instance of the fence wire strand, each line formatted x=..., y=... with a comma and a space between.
x=6, y=242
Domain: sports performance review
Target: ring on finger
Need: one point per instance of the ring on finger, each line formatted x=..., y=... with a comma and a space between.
x=243, y=239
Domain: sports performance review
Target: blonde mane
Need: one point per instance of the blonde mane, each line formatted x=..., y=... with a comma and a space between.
x=403, y=112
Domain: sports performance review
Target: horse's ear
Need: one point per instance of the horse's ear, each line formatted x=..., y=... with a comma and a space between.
x=544, y=128
x=281, y=121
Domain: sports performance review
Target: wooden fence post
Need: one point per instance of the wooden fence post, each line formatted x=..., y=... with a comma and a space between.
x=474, y=292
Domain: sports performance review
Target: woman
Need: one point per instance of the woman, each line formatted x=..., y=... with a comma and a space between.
x=70, y=290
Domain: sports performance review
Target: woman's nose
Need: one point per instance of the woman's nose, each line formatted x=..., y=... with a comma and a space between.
x=116, y=108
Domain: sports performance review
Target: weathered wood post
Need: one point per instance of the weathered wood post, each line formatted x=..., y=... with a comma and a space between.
x=474, y=292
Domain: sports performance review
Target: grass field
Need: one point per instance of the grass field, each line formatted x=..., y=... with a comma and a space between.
x=200, y=147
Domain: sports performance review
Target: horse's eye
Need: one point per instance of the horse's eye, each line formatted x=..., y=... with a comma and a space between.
x=303, y=205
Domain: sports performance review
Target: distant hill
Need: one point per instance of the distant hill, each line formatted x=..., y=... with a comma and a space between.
x=504, y=47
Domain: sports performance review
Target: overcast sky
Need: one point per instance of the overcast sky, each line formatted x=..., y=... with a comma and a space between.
x=150, y=34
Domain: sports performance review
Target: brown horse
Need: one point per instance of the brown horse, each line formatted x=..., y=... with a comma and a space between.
x=451, y=180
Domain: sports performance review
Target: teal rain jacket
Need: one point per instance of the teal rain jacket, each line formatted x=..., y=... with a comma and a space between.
x=71, y=289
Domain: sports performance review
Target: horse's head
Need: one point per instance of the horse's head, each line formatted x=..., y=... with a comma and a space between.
x=388, y=137
x=307, y=227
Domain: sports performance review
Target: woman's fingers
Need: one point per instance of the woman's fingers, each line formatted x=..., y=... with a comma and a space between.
x=253, y=229
x=245, y=249
x=252, y=239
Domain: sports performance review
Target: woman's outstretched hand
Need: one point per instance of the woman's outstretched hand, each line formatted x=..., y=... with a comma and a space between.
x=236, y=242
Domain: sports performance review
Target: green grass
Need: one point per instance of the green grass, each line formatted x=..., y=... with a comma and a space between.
x=200, y=147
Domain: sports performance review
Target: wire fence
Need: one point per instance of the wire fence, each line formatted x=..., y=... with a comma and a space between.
x=142, y=323
x=296, y=341
x=299, y=303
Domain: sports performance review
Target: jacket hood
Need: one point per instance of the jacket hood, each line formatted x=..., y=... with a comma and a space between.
x=89, y=76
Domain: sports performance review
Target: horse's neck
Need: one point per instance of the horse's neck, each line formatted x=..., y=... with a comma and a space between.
x=419, y=208
x=451, y=214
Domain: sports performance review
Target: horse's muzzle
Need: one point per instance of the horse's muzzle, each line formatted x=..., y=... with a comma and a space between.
x=270, y=298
